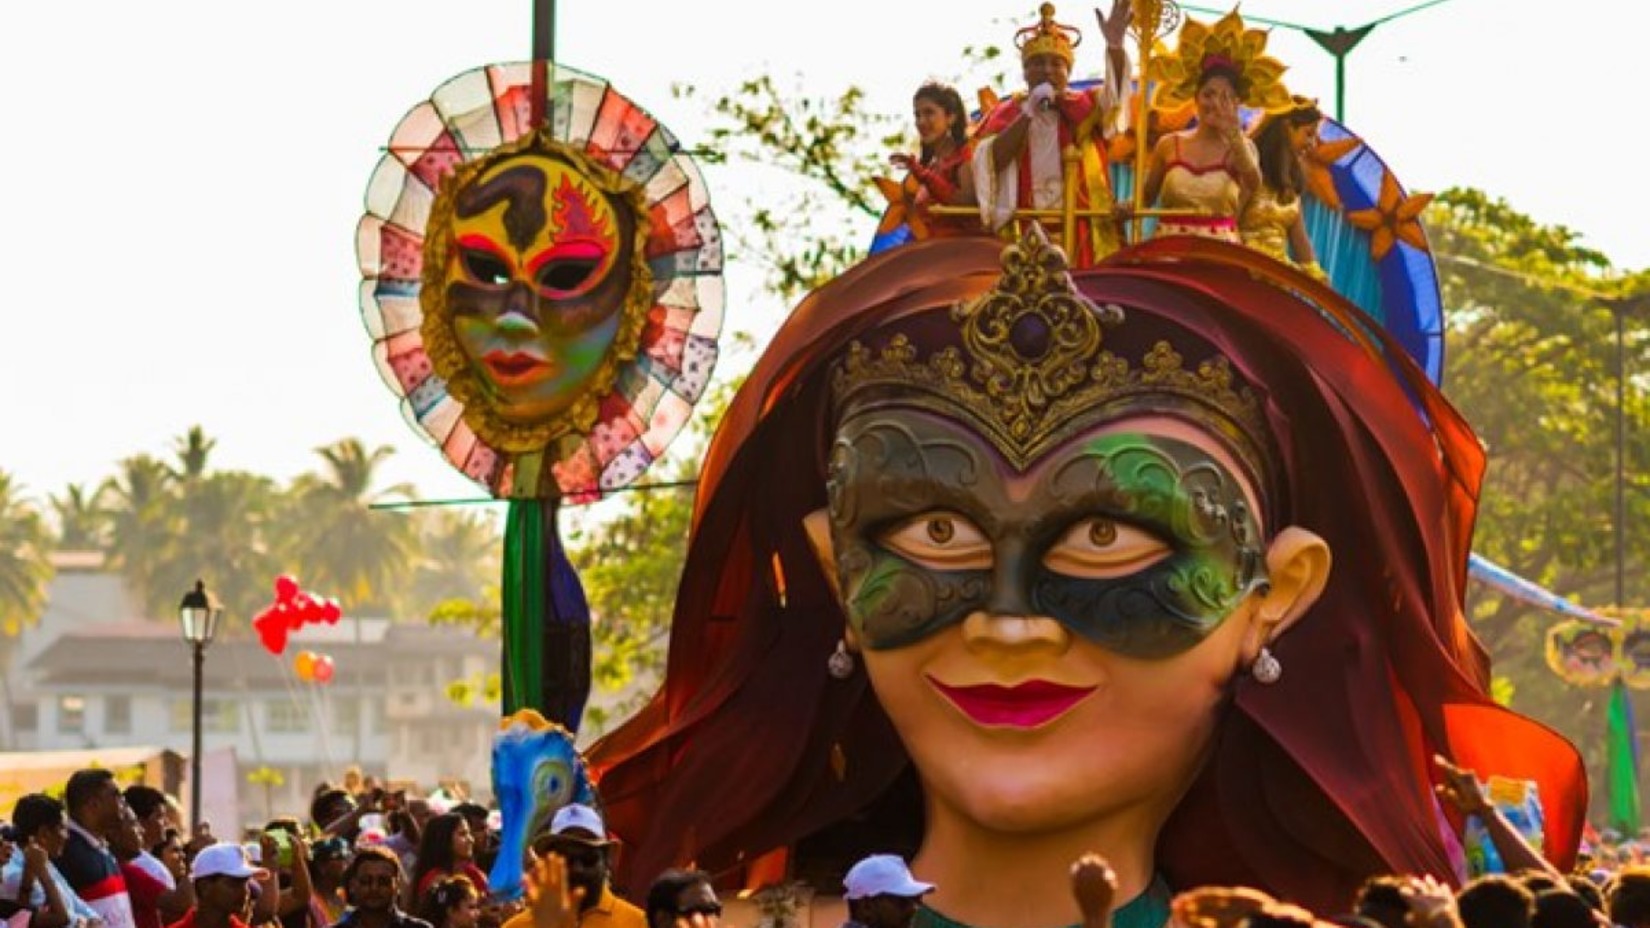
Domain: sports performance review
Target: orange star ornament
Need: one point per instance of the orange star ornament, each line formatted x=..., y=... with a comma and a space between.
x=1394, y=217
x=902, y=206
x=1318, y=161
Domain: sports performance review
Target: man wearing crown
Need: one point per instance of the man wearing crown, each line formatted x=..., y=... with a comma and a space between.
x=1017, y=159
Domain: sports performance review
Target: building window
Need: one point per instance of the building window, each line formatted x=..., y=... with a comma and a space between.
x=346, y=714
x=25, y=716
x=220, y=716
x=71, y=714
x=117, y=715
x=433, y=742
x=286, y=717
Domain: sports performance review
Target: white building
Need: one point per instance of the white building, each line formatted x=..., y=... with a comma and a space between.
x=92, y=675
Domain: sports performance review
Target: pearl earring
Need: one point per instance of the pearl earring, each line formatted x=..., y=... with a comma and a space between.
x=840, y=664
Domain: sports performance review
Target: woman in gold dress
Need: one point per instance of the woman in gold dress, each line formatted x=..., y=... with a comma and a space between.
x=1209, y=170
x=1272, y=220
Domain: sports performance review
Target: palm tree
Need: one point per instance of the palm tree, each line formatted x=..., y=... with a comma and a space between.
x=460, y=557
x=82, y=519
x=192, y=449
x=341, y=546
x=226, y=522
x=142, y=526
x=25, y=569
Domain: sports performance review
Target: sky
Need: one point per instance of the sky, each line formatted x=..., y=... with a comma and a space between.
x=186, y=175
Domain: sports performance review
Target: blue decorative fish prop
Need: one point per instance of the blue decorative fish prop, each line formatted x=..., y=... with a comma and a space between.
x=536, y=771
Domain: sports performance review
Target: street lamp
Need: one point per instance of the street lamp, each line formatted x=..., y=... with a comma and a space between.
x=1619, y=308
x=1338, y=42
x=198, y=617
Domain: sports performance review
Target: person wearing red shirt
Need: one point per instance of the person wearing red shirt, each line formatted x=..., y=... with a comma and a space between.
x=220, y=875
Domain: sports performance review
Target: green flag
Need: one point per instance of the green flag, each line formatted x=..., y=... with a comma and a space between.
x=1624, y=762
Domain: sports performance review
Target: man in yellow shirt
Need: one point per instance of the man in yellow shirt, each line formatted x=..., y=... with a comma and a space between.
x=578, y=836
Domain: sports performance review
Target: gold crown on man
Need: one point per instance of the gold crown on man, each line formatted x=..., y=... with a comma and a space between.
x=1048, y=38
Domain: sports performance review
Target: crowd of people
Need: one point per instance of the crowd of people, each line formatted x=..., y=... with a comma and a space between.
x=104, y=857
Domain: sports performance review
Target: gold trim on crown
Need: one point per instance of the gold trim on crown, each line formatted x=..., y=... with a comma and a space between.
x=1031, y=370
x=1048, y=37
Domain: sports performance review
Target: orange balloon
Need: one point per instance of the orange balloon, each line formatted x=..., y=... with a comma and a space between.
x=304, y=664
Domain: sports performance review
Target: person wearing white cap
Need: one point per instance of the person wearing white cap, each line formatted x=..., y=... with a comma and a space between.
x=881, y=893
x=578, y=836
x=220, y=873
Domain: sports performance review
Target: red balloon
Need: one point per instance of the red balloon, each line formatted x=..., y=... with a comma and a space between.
x=285, y=588
x=271, y=631
x=323, y=668
x=331, y=612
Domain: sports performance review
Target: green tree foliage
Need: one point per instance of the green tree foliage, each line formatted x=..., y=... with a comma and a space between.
x=165, y=523
x=82, y=519
x=1531, y=362
x=350, y=550
x=804, y=233
x=25, y=569
x=142, y=522
x=25, y=544
x=459, y=557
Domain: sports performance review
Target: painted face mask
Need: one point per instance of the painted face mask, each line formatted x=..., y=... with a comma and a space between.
x=1140, y=543
x=535, y=283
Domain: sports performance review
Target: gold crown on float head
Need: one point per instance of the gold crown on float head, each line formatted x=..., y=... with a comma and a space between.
x=1031, y=370
x=1048, y=37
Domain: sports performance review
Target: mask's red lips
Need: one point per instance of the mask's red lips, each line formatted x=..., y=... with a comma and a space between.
x=1024, y=705
x=514, y=368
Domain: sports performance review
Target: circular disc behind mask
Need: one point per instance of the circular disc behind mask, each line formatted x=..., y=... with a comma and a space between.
x=544, y=303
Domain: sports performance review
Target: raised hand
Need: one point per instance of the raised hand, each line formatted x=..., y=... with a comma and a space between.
x=553, y=903
x=35, y=860
x=1114, y=27
x=903, y=161
x=1431, y=904
x=1461, y=788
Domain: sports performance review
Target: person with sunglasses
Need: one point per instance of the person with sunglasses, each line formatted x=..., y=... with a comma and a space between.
x=578, y=836
x=373, y=882
x=683, y=897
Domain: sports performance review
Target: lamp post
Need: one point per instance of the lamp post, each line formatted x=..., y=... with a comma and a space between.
x=1338, y=42
x=1620, y=307
x=198, y=618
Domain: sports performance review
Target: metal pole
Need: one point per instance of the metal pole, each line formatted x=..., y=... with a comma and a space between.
x=544, y=30
x=1620, y=310
x=195, y=753
x=1340, y=88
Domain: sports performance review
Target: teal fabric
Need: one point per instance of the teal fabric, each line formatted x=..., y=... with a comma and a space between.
x=1150, y=909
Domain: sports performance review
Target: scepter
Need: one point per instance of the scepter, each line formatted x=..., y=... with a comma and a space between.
x=1150, y=19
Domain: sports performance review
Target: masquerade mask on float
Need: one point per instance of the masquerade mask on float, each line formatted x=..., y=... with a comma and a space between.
x=1587, y=654
x=541, y=280
x=1140, y=542
x=534, y=289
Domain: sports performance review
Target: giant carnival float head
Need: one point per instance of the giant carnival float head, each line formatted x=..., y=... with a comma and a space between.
x=998, y=552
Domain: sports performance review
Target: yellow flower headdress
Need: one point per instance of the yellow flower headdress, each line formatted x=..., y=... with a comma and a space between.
x=1225, y=44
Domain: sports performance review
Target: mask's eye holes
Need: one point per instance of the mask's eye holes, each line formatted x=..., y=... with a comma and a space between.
x=565, y=277
x=940, y=541
x=1100, y=548
x=484, y=267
